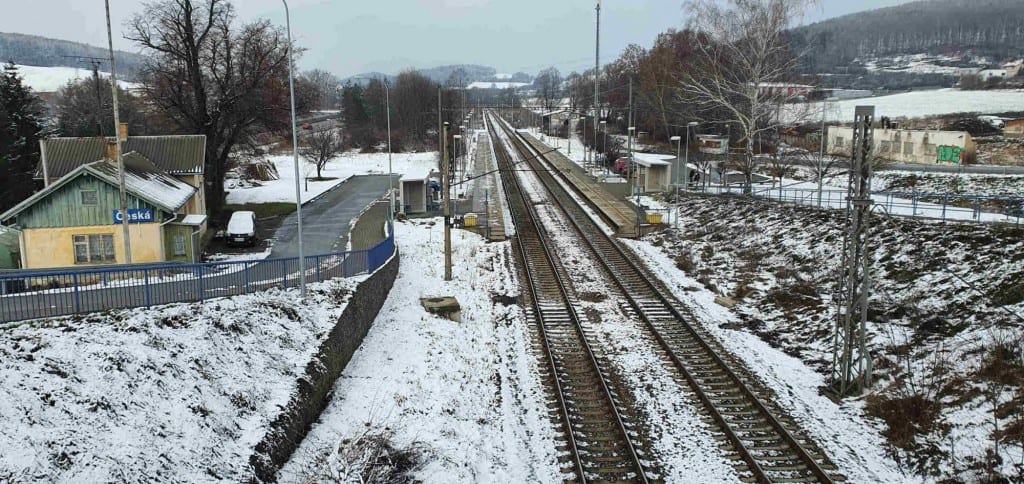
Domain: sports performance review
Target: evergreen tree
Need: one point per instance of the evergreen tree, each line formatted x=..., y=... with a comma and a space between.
x=20, y=130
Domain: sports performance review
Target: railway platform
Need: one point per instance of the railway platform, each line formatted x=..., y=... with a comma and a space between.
x=621, y=215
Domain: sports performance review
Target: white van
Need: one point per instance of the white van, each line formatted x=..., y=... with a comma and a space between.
x=242, y=229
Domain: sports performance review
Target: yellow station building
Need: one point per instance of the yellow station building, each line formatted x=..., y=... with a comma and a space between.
x=76, y=219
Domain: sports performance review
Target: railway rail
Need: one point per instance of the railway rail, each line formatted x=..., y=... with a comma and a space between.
x=600, y=441
x=768, y=444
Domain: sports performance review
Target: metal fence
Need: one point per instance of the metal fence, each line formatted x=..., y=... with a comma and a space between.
x=938, y=206
x=32, y=294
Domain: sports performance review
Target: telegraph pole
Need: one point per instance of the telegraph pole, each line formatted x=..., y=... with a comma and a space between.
x=117, y=140
x=447, y=176
x=851, y=363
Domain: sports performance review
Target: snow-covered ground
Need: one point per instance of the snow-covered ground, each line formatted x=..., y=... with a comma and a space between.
x=340, y=169
x=943, y=332
x=180, y=393
x=465, y=395
x=51, y=79
x=914, y=104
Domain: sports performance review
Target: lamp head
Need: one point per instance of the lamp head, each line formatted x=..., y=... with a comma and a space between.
x=675, y=138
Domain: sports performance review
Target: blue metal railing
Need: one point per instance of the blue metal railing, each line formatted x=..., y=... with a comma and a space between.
x=34, y=294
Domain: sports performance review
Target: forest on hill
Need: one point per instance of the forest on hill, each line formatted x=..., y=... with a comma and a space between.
x=988, y=28
x=34, y=50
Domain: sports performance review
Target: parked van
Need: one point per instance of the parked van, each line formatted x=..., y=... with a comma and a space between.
x=241, y=229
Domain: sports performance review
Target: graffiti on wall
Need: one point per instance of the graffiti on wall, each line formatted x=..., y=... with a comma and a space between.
x=950, y=154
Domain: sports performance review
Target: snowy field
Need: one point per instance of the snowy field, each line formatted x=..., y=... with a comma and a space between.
x=340, y=168
x=465, y=396
x=915, y=104
x=51, y=79
x=180, y=393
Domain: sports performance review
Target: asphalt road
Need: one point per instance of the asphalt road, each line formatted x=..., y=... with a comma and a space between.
x=326, y=223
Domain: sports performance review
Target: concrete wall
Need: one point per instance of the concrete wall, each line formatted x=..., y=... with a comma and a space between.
x=54, y=247
x=314, y=387
x=910, y=146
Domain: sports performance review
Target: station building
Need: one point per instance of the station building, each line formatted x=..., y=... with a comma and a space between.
x=76, y=219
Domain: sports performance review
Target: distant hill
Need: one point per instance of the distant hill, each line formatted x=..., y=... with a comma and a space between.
x=39, y=51
x=989, y=28
x=441, y=74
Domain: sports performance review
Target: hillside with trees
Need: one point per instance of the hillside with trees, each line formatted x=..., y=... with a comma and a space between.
x=34, y=50
x=988, y=28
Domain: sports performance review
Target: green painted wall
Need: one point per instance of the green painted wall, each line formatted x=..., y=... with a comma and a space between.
x=9, y=256
x=170, y=230
x=64, y=208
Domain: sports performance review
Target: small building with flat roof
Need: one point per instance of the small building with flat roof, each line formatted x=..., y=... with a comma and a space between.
x=415, y=192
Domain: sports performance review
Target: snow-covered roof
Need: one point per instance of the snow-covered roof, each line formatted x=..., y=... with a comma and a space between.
x=193, y=219
x=649, y=160
x=416, y=173
x=142, y=179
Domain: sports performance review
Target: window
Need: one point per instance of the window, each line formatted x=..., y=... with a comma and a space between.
x=89, y=197
x=885, y=147
x=908, y=148
x=930, y=149
x=95, y=248
x=179, y=245
x=839, y=141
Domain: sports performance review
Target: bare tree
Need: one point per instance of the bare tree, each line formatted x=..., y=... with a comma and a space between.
x=327, y=87
x=549, y=87
x=212, y=77
x=85, y=108
x=743, y=55
x=321, y=146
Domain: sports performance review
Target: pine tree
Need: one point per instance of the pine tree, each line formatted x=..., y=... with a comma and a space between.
x=20, y=129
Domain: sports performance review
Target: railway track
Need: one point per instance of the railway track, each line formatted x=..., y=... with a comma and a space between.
x=600, y=442
x=768, y=445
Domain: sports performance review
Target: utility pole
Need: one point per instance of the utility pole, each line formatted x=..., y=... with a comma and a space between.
x=851, y=363
x=447, y=175
x=117, y=141
x=597, y=70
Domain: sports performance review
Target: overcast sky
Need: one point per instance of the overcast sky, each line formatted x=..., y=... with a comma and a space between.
x=353, y=36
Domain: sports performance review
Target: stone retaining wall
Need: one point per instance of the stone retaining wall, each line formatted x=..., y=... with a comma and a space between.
x=314, y=387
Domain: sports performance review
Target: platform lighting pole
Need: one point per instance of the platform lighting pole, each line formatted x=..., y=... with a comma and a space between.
x=604, y=129
x=635, y=178
x=584, y=140
x=123, y=195
x=295, y=152
x=447, y=182
x=465, y=151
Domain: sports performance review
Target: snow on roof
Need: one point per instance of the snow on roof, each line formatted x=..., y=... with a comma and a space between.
x=649, y=159
x=144, y=180
x=193, y=219
x=416, y=173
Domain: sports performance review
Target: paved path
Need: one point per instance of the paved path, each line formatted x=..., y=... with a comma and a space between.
x=326, y=220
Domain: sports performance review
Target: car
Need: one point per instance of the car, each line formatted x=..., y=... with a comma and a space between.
x=241, y=229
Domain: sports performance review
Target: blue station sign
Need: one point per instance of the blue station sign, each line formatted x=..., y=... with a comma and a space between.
x=135, y=216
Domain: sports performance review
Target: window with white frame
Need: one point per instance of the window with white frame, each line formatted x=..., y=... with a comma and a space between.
x=94, y=248
x=908, y=148
x=179, y=245
x=89, y=197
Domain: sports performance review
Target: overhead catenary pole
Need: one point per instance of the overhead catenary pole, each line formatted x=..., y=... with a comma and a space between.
x=117, y=142
x=295, y=153
x=597, y=69
x=447, y=181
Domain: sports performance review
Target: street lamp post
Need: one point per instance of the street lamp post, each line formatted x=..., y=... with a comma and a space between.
x=604, y=128
x=295, y=152
x=635, y=176
x=391, y=181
